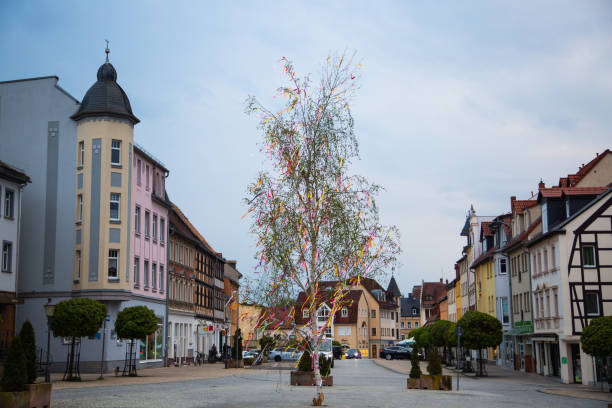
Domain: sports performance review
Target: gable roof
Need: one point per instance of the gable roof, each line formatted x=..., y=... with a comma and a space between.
x=572, y=179
x=13, y=174
x=518, y=206
x=194, y=231
x=324, y=297
x=434, y=289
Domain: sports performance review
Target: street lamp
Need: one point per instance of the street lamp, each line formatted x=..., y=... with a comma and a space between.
x=49, y=311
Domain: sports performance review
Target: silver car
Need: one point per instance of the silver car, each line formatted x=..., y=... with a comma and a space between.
x=283, y=354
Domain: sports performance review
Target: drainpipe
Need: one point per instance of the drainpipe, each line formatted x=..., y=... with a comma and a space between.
x=18, y=243
x=165, y=331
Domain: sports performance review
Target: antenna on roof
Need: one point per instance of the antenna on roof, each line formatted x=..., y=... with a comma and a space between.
x=107, y=51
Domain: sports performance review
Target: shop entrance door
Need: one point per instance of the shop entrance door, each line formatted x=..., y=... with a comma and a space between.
x=576, y=364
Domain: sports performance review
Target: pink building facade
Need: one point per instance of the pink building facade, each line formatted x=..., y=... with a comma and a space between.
x=149, y=248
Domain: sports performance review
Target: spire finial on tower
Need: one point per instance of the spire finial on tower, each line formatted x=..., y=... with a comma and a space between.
x=107, y=51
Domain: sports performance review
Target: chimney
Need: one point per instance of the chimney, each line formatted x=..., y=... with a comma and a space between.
x=441, y=281
x=541, y=185
x=447, y=281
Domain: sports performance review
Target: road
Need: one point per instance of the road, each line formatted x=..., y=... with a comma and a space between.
x=357, y=383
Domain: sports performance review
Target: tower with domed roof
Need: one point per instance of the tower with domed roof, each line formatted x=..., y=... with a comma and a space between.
x=105, y=138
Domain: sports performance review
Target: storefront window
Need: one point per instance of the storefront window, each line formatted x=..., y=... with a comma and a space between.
x=151, y=348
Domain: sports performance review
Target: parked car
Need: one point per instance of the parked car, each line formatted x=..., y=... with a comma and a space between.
x=337, y=352
x=250, y=353
x=353, y=353
x=395, y=352
x=281, y=353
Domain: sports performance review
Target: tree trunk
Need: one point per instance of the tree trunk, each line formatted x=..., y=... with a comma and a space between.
x=71, y=359
x=480, y=362
x=318, y=399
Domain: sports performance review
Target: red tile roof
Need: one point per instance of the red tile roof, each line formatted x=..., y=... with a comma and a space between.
x=573, y=179
x=558, y=192
x=518, y=206
x=192, y=228
x=434, y=289
x=484, y=257
x=484, y=227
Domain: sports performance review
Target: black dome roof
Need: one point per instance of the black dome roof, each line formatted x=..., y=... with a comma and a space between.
x=106, y=98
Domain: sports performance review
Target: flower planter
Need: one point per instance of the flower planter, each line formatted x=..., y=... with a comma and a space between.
x=235, y=363
x=36, y=395
x=431, y=382
x=307, y=378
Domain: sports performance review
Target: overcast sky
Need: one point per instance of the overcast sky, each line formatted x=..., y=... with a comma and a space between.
x=460, y=102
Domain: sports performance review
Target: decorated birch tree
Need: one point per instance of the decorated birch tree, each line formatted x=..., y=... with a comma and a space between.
x=313, y=218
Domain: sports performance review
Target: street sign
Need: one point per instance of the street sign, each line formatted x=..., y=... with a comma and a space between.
x=458, y=331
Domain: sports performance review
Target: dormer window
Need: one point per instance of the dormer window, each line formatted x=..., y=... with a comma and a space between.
x=344, y=312
x=414, y=311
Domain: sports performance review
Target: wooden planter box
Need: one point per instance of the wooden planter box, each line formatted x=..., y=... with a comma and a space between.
x=235, y=363
x=307, y=378
x=431, y=382
x=36, y=395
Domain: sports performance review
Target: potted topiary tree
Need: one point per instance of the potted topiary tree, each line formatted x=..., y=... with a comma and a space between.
x=134, y=323
x=14, y=391
x=414, y=380
x=76, y=318
x=596, y=338
x=305, y=375
x=480, y=330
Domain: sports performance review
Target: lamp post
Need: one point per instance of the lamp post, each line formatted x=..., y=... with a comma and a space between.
x=49, y=311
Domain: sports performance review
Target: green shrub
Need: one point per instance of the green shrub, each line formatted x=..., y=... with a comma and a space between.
x=28, y=342
x=305, y=363
x=415, y=371
x=434, y=367
x=324, y=365
x=15, y=372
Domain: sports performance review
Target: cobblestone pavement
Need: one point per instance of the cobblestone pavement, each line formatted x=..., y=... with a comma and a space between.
x=357, y=383
x=148, y=376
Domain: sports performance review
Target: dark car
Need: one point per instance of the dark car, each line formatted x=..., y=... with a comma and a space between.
x=337, y=352
x=353, y=353
x=394, y=352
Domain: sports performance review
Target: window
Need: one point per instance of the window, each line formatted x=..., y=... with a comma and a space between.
x=527, y=301
x=416, y=325
x=162, y=230
x=373, y=331
x=154, y=227
x=113, y=264
x=147, y=176
x=8, y=203
x=154, y=275
x=305, y=314
x=588, y=256
x=161, y=278
x=78, y=265
x=373, y=313
x=136, y=271
x=553, y=260
x=591, y=303
x=116, y=152
x=114, y=206
x=402, y=325
x=146, y=273
x=137, y=219
x=151, y=347
x=81, y=159
x=80, y=208
x=408, y=325
x=344, y=312
x=344, y=331
x=502, y=266
x=138, y=173
x=414, y=311
x=323, y=314
x=147, y=226
x=505, y=311
x=328, y=333
x=556, y=300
